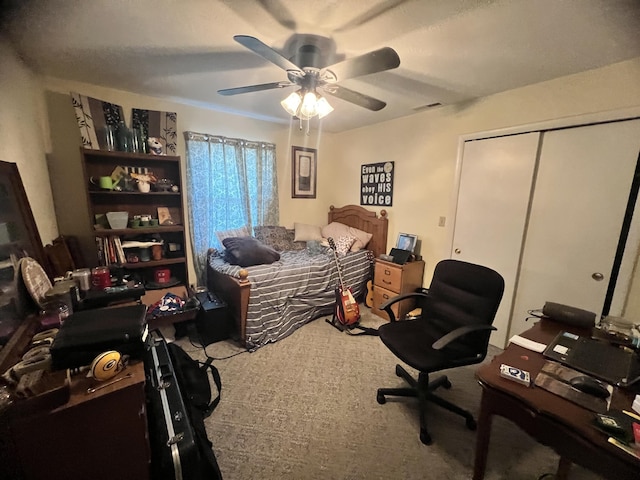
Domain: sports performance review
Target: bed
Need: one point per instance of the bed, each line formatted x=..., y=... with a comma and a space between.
x=269, y=302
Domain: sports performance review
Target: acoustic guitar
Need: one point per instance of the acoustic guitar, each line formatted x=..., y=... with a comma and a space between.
x=368, y=301
x=347, y=310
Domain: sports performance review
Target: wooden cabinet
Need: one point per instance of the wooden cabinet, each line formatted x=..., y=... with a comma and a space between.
x=391, y=280
x=99, y=435
x=98, y=163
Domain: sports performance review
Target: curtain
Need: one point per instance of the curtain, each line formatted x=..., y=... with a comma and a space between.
x=231, y=183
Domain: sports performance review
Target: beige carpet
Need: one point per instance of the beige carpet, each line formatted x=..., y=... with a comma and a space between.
x=305, y=408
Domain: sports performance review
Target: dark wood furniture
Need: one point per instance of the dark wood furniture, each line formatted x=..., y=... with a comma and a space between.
x=101, y=435
x=97, y=163
x=550, y=419
x=66, y=432
x=391, y=280
x=19, y=238
x=235, y=291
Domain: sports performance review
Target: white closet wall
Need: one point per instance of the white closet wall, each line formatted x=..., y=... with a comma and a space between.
x=488, y=229
x=569, y=227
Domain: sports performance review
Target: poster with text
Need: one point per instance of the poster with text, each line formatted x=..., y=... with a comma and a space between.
x=376, y=184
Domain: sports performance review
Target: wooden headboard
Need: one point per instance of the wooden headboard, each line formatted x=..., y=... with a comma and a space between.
x=363, y=219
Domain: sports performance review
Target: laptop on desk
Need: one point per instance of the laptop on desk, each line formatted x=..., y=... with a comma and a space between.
x=595, y=357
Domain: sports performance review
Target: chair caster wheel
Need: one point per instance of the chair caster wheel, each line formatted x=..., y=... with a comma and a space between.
x=381, y=399
x=471, y=424
x=447, y=384
x=425, y=438
x=398, y=371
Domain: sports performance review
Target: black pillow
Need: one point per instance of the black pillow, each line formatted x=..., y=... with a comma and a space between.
x=248, y=251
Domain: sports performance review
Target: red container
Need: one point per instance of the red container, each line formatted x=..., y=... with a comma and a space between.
x=100, y=278
x=162, y=275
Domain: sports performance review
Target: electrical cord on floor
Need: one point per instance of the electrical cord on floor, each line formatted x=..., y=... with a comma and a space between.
x=204, y=348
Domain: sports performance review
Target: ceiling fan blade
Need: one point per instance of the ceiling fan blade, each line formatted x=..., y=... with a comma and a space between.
x=254, y=88
x=356, y=98
x=377, y=61
x=265, y=51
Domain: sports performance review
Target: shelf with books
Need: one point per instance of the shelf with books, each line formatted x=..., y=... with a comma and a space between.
x=139, y=230
x=163, y=202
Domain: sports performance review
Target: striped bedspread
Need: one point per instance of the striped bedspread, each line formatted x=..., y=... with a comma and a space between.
x=294, y=290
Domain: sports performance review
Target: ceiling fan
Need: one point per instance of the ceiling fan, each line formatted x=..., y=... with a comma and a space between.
x=306, y=71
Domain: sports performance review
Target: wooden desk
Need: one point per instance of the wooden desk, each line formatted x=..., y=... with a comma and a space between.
x=101, y=435
x=553, y=421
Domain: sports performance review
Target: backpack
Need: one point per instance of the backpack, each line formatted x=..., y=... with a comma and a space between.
x=193, y=378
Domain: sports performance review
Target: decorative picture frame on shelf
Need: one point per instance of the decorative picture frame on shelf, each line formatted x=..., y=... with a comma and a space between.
x=164, y=217
x=159, y=128
x=94, y=117
x=303, y=172
x=406, y=241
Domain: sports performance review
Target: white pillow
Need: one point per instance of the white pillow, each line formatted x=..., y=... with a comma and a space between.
x=305, y=232
x=337, y=230
x=343, y=244
x=236, y=232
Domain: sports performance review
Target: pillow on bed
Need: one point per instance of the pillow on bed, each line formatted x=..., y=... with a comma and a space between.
x=337, y=230
x=292, y=238
x=305, y=232
x=248, y=251
x=343, y=244
x=274, y=236
x=236, y=232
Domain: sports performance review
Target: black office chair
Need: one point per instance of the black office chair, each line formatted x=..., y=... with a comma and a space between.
x=452, y=331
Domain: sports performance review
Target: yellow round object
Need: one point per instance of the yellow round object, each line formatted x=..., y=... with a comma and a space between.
x=106, y=365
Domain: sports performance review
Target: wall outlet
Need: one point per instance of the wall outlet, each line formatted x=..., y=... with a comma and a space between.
x=442, y=221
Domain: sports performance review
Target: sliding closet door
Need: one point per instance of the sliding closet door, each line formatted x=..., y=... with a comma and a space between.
x=581, y=192
x=493, y=199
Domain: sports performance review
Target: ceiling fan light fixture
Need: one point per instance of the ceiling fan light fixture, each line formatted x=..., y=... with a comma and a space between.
x=323, y=107
x=308, y=107
x=292, y=103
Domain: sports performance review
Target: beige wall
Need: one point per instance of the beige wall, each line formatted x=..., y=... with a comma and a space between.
x=24, y=136
x=425, y=145
x=66, y=171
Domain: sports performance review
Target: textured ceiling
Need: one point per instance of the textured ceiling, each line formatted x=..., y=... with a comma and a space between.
x=451, y=51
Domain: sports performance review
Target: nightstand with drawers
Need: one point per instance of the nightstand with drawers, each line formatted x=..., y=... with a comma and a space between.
x=391, y=280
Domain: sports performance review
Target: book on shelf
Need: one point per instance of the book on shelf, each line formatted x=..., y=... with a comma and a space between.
x=100, y=248
x=121, y=259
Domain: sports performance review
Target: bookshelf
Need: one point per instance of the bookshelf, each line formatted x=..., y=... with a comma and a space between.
x=111, y=243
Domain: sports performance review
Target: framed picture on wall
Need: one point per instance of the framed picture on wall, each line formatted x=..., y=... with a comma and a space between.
x=303, y=173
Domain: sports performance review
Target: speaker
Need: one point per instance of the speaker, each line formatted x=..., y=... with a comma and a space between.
x=214, y=321
x=569, y=315
x=400, y=256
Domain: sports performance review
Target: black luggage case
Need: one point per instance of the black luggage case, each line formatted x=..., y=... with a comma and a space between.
x=86, y=334
x=174, y=453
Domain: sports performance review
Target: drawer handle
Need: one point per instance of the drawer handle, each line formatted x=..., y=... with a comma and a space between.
x=385, y=296
x=386, y=281
x=387, y=272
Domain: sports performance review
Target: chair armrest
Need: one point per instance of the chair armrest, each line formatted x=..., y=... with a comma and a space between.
x=457, y=333
x=387, y=305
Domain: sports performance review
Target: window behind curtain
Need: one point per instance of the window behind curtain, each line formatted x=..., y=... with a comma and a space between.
x=231, y=183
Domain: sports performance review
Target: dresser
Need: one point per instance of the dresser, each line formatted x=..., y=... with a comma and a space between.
x=391, y=280
x=73, y=433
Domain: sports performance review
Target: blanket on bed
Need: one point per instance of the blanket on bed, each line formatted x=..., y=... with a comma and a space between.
x=295, y=290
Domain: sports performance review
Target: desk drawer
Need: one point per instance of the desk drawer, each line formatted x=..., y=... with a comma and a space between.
x=388, y=276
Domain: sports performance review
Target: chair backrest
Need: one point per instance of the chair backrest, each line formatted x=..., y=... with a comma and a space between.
x=462, y=294
x=63, y=255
